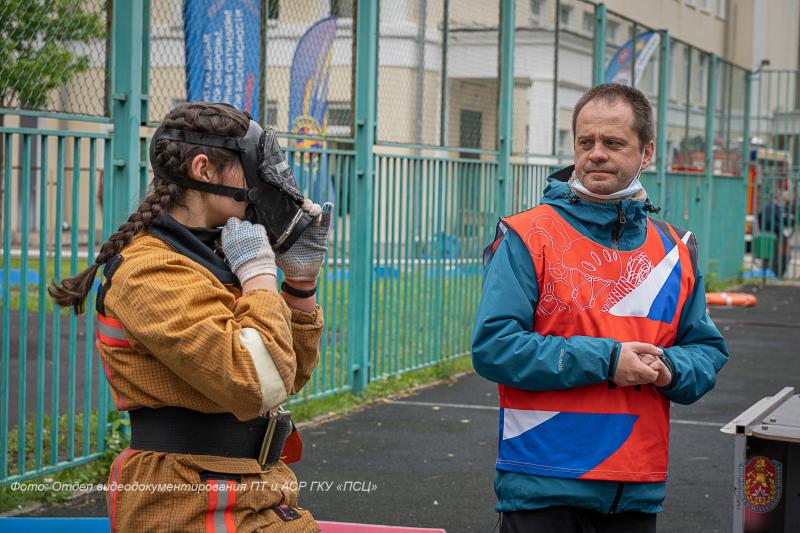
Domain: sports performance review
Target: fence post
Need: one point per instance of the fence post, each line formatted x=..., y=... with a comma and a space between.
x=661, y=134
x=748, y=85
x=598, y=65
x=145, y=78
x=126, y=103
x=359, y=313
x=444, y=104
x=505, y=118
x=711, y=104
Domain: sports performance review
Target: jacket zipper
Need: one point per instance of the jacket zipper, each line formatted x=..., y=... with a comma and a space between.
x=617, y=498
x=615, y=229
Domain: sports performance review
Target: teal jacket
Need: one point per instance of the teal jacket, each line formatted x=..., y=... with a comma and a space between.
x=505, y=350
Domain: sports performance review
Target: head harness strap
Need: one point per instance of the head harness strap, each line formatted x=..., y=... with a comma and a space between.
x=237, y=144
x=248, y=195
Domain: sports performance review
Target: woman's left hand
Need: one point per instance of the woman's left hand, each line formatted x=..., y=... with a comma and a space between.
x=303, y=261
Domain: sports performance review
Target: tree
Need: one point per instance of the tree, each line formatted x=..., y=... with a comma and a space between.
x=38, y=51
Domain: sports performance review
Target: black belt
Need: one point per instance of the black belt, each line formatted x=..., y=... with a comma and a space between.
x=179, y=430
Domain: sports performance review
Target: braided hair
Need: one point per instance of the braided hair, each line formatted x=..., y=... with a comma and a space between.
x=176, y=157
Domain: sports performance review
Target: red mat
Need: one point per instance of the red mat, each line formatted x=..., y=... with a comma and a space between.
x=343, y=527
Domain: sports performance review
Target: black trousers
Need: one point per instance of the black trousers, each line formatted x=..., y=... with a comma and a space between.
x=576, y=520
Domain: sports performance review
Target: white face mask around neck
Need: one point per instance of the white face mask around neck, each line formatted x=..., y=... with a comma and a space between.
x=634, y=186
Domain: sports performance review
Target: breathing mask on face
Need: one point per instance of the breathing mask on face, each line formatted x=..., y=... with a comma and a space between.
x=273, y=199
x=634, y=186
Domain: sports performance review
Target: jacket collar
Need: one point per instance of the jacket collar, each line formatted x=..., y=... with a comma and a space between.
x=559, y=194
x=198, y=244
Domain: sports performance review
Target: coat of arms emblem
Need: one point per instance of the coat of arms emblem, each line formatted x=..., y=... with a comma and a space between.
x=760, y=484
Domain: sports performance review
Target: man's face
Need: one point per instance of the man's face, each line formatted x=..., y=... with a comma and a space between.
x=607, y=150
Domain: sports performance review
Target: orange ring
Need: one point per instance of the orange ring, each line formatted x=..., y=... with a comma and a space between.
x=730, y=299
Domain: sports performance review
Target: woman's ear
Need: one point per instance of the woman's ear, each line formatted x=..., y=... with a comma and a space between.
x=200, y=168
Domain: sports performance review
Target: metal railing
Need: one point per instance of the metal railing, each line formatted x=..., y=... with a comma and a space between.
x=54, y=402
x=421, y=152
x=773, y=198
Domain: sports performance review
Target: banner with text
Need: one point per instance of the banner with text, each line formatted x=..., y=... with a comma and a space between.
x=223, y=52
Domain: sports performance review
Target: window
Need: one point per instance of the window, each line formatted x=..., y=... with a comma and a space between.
x=537, y=8
x=274, y=8
x=691, y=3
x=469, y=134
x=679, y=63
x=588, y=22
x=340, y=118
x=722, y=8
x=699, y=80
x=704, y=5
x=272, y=113
x=612, y=30
x=565, y=15
x=342, y=8
x=340, y=114
x=565, y=144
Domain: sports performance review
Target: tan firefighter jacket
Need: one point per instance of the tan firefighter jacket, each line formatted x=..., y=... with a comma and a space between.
x=174, y=330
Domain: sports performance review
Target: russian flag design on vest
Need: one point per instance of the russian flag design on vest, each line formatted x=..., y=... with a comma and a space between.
x=600, y=431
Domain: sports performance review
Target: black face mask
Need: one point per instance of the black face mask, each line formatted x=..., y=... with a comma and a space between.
x=274, y=201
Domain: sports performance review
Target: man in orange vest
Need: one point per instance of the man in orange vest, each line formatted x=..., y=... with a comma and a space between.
x=592, y=320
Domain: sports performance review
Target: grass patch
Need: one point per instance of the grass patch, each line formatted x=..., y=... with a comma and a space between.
x=715, y=283
x=94, y=472
x=15, y=292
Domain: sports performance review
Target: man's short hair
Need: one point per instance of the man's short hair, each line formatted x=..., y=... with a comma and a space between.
x=612, y=93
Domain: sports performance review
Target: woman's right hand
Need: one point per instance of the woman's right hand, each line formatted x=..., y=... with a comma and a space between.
x=247, y=249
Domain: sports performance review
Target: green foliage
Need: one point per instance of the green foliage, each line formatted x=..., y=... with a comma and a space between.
x=94, y=472
x=39, y=47
x=33, y=290
x=715, y=283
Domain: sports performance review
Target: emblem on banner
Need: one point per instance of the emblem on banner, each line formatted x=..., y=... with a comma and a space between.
x=760, y=484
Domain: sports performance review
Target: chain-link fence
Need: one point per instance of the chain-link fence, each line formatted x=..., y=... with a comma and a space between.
x=535, y=74
x=574, y=23
x=773, y=183
x=167, y=58
x=428, y=212
x=438, y=73
x=53, y=56
x=729, y=112
x=554, y=66
x=309, y=67
x=686, y=118
x=303, y=84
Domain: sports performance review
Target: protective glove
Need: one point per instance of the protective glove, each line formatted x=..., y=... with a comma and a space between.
x=303, y=261
x=311, y=208
x=247, y=248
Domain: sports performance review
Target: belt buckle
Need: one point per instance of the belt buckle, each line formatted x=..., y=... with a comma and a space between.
x=267, y=442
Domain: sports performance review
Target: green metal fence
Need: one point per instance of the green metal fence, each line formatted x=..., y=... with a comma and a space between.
x=773, y=199
x=442, y=116
x=54, y=400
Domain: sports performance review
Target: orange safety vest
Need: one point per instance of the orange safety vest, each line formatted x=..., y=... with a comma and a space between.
x=599, y=431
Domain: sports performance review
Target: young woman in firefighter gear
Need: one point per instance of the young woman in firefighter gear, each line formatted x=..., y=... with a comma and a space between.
x=197, y=342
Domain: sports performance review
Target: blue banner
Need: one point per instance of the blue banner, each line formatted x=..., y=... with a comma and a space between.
x=223, y=52
x=308, y=105
x=619, y=68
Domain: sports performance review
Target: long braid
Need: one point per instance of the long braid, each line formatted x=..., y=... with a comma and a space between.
x=176, y=157
x=73, y=291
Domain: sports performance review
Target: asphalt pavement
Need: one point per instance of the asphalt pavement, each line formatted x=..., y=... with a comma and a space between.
x=427, y=459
